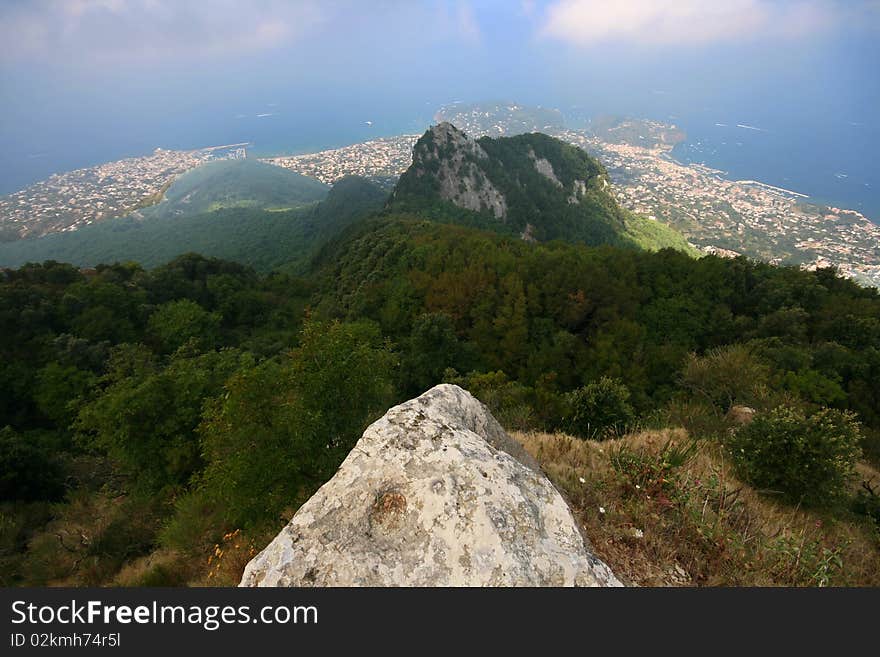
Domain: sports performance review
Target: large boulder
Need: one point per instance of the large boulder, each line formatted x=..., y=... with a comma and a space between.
x=435, y=493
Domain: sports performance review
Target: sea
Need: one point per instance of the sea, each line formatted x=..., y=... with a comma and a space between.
x=833, y=162
x=834, y=165
x=29, y=155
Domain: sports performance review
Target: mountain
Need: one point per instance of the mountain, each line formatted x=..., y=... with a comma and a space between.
x=236, y=183
x=246, y=233
x=530, y=185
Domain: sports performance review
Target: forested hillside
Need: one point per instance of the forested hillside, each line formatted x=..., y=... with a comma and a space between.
x=158, y=425
x=155, y=417
x=530, y=185
x=236, y=183
x=248, y=233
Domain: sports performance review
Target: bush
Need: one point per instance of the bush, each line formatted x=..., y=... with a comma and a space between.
x=599, y=409
x=727, y=376
x=508, y=401
x=808, y=459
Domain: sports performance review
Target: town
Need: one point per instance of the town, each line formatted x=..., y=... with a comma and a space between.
x=381, y=160
x=70, y=200
x=730, y=218
x=718, y=216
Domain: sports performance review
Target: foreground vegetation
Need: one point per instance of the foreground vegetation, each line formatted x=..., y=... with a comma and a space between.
x=158, y=426
x=663, y=510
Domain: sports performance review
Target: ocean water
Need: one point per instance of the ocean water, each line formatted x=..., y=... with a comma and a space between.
x=832, y=160
x=28, y=157
x=833, y=164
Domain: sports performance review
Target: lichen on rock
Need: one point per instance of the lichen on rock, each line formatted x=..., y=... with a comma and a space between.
x=435, y=493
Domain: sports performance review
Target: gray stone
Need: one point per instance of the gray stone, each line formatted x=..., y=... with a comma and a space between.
x=460, y=181
x=545, y=168
x=435, y=493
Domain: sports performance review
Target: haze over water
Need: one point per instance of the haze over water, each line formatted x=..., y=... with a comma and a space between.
x=303, y=76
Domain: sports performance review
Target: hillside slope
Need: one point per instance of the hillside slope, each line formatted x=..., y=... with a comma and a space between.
x=236, y=183
x=261, y=238
x=530, y=185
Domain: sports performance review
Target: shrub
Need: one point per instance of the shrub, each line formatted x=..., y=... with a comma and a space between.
x=726, y=376
x=806, y=458
x=599, y=409
x=508, y=401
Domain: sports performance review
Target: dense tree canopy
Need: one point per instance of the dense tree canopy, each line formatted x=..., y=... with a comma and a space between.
x=209, y=397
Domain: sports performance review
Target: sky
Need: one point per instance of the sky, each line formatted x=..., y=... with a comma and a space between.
x=85, y=81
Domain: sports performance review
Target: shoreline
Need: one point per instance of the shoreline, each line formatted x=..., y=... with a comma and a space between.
x=800, y=197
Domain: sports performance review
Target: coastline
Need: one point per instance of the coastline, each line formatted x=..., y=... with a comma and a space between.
x=805, y=194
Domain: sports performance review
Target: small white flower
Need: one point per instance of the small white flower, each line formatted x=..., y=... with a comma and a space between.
x=601, y=509
x=638, y=533
x=638, y=487
x=582, y=480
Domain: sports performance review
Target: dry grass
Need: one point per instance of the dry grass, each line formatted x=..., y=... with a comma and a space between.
x=221, y=565
x=661, y=524
x=87, y=540
x=160, y=568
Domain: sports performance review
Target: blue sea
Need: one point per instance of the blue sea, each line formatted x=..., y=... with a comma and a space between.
x=27, y=157
x=834, y=165
x=831, y=161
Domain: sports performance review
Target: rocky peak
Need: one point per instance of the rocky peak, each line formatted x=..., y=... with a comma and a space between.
x=435, y=493
x=447, y=135
x=453, y=158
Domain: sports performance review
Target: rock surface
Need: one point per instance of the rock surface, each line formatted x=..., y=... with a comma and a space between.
x=435, y=493
x=460, y=181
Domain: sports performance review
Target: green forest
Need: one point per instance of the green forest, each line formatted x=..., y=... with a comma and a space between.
x=159, y=424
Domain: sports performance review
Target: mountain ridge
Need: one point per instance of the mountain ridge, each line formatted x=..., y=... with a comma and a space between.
x=530, y=185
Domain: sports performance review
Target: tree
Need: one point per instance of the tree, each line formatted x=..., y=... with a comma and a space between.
x=432, y=347
x=28, y=472
x=177, y=322
x=59, y=391
x=145, y=416
x=282, y=427
x=599, y=408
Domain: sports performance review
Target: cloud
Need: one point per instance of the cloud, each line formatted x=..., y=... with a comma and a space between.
x=687, y=22
x=99, y=31
x=107, y=32
x=468, y=27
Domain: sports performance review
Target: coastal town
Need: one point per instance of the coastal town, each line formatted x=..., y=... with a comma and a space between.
x=719, y=216
x=378, y=159
x=67, y=201
x=745, y=217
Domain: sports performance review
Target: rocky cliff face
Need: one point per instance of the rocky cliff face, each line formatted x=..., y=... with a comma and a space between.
x=532, y=185
x=453, y=158
x=434, y=494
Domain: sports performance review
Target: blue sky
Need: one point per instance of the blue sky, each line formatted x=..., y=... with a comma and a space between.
x=84, y=80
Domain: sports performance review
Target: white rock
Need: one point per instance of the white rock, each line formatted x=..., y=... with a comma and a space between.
x=435, y=493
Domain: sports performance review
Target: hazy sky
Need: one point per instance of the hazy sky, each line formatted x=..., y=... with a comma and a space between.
x=80, y=78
